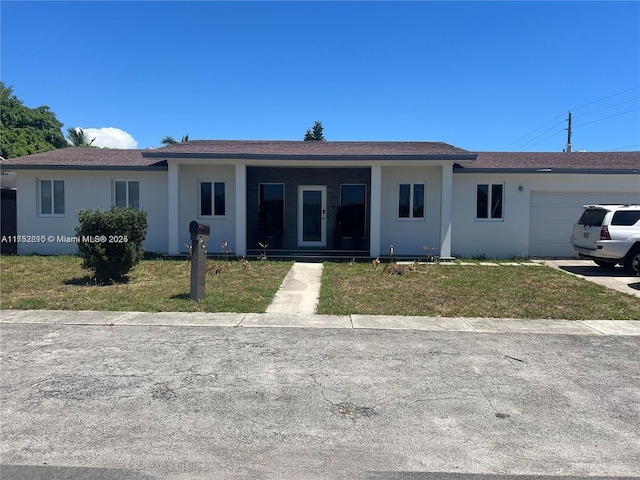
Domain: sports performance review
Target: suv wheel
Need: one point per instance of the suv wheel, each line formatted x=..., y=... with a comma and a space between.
x=632, y=262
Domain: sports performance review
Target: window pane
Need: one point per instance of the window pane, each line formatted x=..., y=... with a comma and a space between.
x=45, y=196
x=482, y=201
x=271, y=203
x=312, y=215
x=134, y=195
x=403, y=200
x=626, y=218
x=496, y=201
x=418, y=200
x=219, y=198
x=121, y=194
x=205, y=198
x=352, y=209
x=58, y=196
x=593, y=217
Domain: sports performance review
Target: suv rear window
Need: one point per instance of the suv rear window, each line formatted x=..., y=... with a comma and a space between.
x=592, y=217
x=626, y=218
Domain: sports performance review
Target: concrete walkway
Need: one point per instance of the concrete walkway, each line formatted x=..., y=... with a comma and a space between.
x=375, y=322
x=299, y=291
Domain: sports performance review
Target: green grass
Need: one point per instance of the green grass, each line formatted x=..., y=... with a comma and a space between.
x=35, y=282
x=470, y=291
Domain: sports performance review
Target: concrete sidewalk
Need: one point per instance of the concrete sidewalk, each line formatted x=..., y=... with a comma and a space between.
x=375, y=322
x=299, y=291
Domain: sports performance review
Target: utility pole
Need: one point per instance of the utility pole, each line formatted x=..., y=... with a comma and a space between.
x=568, y=149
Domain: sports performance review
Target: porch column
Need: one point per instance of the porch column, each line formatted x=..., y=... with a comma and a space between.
x=172, y=210
x=241, y=209
x=446, y=209
x=376, y=207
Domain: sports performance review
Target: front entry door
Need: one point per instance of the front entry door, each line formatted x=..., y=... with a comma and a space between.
x=312, y=216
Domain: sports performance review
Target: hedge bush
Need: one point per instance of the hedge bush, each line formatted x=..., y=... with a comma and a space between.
x=110, y=242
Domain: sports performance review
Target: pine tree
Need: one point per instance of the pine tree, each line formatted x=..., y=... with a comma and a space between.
x=315, y=133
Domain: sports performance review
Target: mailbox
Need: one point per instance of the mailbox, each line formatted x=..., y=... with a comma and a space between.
x=196, y=228
x=199, y=239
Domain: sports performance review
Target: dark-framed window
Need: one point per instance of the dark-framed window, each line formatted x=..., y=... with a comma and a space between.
x=353, y=209
x=490, y=201
x=126, y=193
x=271, y=208
x=411, y=200
x=212, y=199
x=51, y=193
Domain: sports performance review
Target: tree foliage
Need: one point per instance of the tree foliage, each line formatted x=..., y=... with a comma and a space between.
x=315, y=133
x=111, y=241
x=26, y=130
x=169, y=140
x=78, y=137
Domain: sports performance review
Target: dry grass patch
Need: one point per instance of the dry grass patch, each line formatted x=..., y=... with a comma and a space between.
x=59, y=282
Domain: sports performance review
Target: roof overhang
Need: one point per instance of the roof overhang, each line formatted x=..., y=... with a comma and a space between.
x=274, y=160
x=138, y=168
x=592, y=171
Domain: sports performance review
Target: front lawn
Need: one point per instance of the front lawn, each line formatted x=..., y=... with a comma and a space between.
x=469, y=291
x=59, y=282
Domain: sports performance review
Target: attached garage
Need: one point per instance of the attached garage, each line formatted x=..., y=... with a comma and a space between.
x=552, y=215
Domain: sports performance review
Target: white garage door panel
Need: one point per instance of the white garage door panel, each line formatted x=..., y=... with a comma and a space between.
x=552, y=215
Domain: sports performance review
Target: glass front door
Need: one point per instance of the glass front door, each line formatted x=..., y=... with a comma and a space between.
x=312, y=215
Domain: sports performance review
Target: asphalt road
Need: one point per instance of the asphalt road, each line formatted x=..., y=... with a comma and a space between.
x=153, y=402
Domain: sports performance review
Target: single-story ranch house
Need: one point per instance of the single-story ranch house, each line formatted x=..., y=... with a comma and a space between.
x=326, y=198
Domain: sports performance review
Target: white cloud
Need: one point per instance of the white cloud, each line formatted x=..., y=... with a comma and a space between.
x=110, y=137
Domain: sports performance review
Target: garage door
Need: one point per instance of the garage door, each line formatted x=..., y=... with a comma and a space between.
x=552, y=215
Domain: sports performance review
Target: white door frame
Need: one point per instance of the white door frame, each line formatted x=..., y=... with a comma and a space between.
x=323, y=232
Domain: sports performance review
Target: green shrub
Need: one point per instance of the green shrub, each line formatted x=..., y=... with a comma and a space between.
x=110, y=242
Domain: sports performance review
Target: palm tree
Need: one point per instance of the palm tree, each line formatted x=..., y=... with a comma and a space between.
x=315, y=133
x=169, y=140
x=78, y=138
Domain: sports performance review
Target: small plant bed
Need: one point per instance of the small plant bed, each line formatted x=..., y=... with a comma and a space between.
x=473, y=291
x=60, y=283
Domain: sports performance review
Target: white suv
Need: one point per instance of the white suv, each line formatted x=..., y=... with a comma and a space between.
x=609, y=235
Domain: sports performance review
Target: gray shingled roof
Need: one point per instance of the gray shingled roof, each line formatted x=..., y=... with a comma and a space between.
x=83, y=157
x=627, y=161
x=298, y=149
x=71, y=158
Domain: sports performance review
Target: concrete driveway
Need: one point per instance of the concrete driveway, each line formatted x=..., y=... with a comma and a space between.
x=615, y=278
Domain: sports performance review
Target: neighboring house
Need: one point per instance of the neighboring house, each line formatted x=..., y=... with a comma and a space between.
x=8, y=214
x=326, y=198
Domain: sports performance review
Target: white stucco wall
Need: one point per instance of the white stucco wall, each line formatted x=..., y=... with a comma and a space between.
x=86, y=190
x=504, y=238
x=409, y=236
x=222, y=228
x=509, y=237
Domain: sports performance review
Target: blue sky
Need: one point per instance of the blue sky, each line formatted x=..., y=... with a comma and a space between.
x=478, y=75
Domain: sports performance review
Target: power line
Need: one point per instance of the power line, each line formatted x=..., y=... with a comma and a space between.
x=624, y=148
x=524, y=145
x=605, y=98
x=534, y=131
x=606, y=108
x=544, y=139
x=607, y=118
